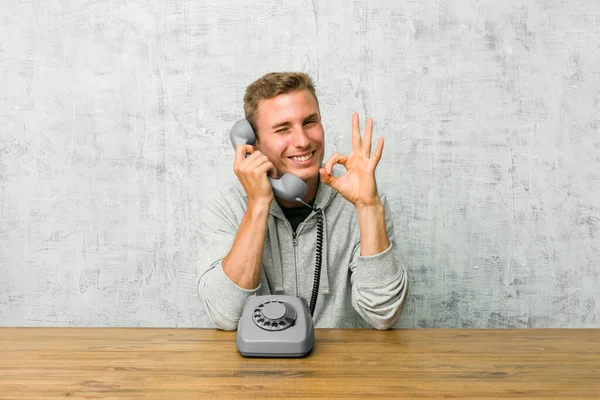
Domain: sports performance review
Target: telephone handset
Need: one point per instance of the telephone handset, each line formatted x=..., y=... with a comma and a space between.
x=275, y=326
x=289, y=186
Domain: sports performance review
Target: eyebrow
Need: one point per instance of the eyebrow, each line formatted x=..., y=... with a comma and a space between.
x=285, y=123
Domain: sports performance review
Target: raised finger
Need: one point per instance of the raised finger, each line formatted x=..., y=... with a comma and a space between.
x=378, y=150
x=367, y=139
x=356, y=140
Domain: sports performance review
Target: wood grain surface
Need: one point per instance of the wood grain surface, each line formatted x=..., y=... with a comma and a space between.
x=129, y=363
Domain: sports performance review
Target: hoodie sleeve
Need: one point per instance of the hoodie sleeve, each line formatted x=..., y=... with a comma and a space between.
x=380, y=283
x=222, y=298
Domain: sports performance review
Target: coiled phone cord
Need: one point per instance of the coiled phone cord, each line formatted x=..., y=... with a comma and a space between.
x=315, y=289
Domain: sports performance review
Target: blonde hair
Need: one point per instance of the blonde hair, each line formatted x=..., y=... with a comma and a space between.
x=271, y=85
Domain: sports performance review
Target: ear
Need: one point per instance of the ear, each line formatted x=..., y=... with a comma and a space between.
x=257, y=142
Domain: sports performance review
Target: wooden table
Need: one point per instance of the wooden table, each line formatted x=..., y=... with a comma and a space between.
x=107, y=363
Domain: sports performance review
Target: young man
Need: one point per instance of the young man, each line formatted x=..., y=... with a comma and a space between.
x=254, y=243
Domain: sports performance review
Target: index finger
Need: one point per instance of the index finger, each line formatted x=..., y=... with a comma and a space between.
x=241, y=151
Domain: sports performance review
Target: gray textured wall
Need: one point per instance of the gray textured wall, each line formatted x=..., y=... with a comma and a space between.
x=113, y=123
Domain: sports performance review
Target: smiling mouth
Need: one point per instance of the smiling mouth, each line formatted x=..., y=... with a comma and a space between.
x=302, y=159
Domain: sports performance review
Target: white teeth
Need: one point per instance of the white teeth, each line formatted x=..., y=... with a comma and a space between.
x=302, y=159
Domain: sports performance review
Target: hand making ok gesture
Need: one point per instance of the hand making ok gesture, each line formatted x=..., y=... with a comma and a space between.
x=358, y=184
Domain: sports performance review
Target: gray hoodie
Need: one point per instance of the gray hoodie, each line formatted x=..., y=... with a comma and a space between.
x=354, y=291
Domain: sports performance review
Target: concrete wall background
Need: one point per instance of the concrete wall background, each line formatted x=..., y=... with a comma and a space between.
x=113, y=128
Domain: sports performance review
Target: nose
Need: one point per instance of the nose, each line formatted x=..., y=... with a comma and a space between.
x=299, y=138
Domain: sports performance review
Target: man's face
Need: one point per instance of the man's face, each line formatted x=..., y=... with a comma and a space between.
x=290, y=134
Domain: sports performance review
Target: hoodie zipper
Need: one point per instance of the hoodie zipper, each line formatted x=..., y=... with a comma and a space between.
x=295, y=243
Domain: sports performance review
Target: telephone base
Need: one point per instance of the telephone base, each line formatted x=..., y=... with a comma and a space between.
x=275, y=326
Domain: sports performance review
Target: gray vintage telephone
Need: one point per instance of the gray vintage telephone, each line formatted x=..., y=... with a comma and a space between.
x=275, y=326
x=278, y=325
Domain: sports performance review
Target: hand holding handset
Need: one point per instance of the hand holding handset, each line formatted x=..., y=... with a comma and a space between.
x=288, y=187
